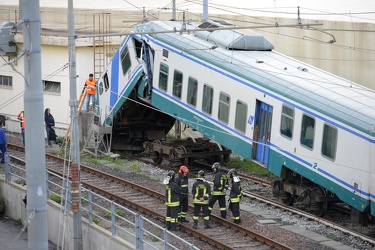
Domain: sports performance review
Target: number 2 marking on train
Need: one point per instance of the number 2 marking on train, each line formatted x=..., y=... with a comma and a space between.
x=315, y=166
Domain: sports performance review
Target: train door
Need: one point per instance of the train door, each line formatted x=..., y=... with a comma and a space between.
x=262, y=132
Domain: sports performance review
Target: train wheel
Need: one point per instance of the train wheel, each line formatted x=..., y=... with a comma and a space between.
x=285, y=197
x=318, y=208
x=156, y=156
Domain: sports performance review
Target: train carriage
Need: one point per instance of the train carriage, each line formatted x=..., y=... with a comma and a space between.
x=311, y=128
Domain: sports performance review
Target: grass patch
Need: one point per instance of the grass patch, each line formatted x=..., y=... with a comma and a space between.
x=84, y=199
x=107, y=214
x=95, y=220
x=55, y=198
x=119, y=212
x=136, y=165
x=90, y=159
x=248, y=166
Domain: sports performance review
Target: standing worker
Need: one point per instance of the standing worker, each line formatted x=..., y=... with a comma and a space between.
x=218, y=190
x=172, y=201
x=3, y=142
x=201, y=191
x=90, y=91
x=21, y=118
x=235, y=195
x=50, y=126
x=183, y=181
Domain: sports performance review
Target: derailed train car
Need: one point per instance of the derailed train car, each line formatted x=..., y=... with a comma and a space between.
x=311, y=128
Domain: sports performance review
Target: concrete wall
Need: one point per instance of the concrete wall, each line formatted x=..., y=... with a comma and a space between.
x=94, y=237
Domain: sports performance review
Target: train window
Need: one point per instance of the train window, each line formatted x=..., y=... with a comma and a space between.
x=208, y=93
x=106, y=82
x=329, y=143
x=307, y=131
x=192, y=91
x=163, y=77
x=101, y=88
x=224, y=104
x=177, y=84
x=52, y=87
x=287, y=121
x=241, y=115
x=125, y=60
x=6, y=81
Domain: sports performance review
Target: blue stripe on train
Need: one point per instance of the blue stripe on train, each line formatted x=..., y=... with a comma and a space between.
x=114, y=79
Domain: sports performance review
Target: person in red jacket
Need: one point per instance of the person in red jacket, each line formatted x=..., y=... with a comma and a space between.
x=90, y=85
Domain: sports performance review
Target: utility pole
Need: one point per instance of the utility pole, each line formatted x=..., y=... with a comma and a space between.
x=34, y=128
x=74, y=136
x=174, y=10
x=205, y=10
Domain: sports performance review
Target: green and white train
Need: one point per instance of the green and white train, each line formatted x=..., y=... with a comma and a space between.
x=314, y=130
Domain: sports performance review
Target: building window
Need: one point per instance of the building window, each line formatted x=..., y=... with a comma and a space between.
x=241, y=114
x=307, y=131
x=329, y=143
x=224, y=107
x=177, y=84
x=6, y=81
x=287, y=121
x=192, y=91
x=52, y=87
x=125, y=60
x=163, y=77
x=208, y=94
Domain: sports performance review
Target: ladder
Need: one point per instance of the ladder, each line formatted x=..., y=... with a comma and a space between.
x=101, y=27
x=81, y=101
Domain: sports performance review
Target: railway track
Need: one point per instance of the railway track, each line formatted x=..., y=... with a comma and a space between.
x=222, y=235
x=223, y=225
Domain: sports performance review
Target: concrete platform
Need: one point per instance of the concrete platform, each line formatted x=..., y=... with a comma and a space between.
x=12, y=236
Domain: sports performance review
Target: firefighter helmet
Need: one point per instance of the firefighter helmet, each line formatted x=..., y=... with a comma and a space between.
x=183, y=169
x=232, y=173
x=171, y=175
x=201, y=174
x=216, y=166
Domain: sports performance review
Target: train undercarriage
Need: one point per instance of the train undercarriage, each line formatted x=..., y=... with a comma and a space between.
x=139, y=127
x=295, y=190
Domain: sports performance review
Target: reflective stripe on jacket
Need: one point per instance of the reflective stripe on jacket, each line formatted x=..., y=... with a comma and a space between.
x=235, y=192
x=220, y=184
x=172, y=194
x=200, y=189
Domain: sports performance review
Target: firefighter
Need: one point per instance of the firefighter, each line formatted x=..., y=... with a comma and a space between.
x=201, y=191
x=172, y=201
x=218, y=190
x=235, y=195
x=183, y=181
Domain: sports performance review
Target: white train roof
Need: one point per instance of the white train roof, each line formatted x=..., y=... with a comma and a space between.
x=319, y=90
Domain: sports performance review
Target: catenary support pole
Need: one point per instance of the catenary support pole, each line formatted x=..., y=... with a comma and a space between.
x=205, y=10
x=34, y=128
x=74, y=135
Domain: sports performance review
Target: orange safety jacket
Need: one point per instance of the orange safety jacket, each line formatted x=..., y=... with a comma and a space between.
x=91, y=87
x=21, y=117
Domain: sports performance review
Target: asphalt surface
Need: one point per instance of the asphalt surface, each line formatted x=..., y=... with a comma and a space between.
x=12, y=236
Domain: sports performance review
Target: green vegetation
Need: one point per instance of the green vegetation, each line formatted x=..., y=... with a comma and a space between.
x=95, y=220
x=84, y=199
x=136, y=165
x=55, y=198
x=119, y=212
x=107, y=214
x=19, y=222
x=2, y=206
x=248, y=166
x=90, y=159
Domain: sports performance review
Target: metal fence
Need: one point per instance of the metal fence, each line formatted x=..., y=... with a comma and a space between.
x=119, y=220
